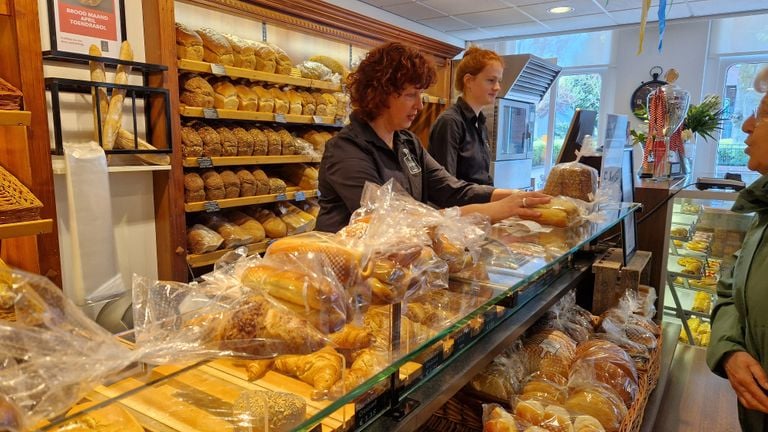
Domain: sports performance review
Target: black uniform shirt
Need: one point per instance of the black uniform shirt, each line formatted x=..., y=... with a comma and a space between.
x=357, y=155
x=458, y=141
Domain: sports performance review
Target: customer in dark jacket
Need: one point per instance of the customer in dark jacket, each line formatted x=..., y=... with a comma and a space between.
x=458, y=139
x=738, y=348
x=376, y=146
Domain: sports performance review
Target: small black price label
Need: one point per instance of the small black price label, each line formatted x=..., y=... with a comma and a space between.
x=280, y=118
x=281, y=197
x=462, y=339
x=491, y=318
x=210, y=113
x=317, y=119
x=300, y=196
x=432, y=363
x=205, y=162
x=218, y=69
x=371, y=410
x=211, y=206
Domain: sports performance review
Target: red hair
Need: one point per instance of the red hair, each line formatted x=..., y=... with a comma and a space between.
x=387, y=70
x=474, y=61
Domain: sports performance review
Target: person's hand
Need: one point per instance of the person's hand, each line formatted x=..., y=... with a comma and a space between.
x=518, y=204
x=748, y=379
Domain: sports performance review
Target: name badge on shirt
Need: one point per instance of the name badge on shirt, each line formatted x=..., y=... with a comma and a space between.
x=410, y=162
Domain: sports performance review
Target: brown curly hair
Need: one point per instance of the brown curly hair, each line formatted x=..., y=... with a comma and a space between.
x=473, y=62
x=386, y=70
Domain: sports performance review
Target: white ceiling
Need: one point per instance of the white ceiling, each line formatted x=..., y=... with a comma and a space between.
x=473, y=20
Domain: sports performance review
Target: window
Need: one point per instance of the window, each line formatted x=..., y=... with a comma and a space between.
x=740, y=99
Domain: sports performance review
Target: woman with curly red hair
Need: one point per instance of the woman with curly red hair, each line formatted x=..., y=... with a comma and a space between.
x=458, y=139
x=376, y=146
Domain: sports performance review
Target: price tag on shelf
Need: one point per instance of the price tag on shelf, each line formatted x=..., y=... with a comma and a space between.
x=204, y=162
x=441, y=101
x=281, y=197
x=300, y=196
x=425, y=98
x=317, y=119
x=280, y=118
x=339, y=122
x=218, y=69
x=210, y=113
x=211, y=206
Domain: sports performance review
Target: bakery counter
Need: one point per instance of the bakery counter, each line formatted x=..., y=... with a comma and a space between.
x=426, y=349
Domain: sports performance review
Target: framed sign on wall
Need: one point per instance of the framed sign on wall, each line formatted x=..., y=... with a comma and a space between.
x=75, y=25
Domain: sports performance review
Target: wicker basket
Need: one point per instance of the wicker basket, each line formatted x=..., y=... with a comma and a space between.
x=647, y=382
x=10, y=96
x=16, y=201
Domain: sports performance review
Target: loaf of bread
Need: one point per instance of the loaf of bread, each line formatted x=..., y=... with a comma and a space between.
x=261, y=182
x=550, y=352
x=274, y=227
x=558, y=212
x=287, y=144
x=307, y=103
x=282, y=61
x=274, y=144
x=194, y=188
x=228, y=141
x=321, y=105
x=330, y=63
x=296, y=220
x=276, y=186
x=282, y=103
x=248, y=100
x=598, y=402
x=265, y=57
x=296, y=102
x=231, y=183
x=244, y=141
x=330, y=103
x=310, y=206
x=189, y=45
x=248, y=224
x=303, y=176
x=269, y=411
x=194, y=91
x=247, y=182
x=216, y=47
x=243, y=52
x=201, y=239
x=214, y=186
x=260, y=142
x=314, y=70
x=233, y=235
x=210, y=138
x=266, y=101
x=191, y=143
x=586, y=423
x=225, y=94
x=572, y=179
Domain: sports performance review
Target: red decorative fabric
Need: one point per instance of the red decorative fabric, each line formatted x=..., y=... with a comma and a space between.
x=654, y=140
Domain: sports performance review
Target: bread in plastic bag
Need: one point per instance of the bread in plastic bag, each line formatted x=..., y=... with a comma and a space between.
x=201, y=239
x=599, y=402
x=572, y=179
x=550, y=353
x=601, y=361
x=296, y=220
x=232, y=234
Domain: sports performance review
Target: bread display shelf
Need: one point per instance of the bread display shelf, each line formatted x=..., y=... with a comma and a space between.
x=244, y=201
x=235, y=72
x=192, y=162
x=229, y=114
x=27, y=228
x=200, y=260
x=15, y=118
x=675, y=269
x=433, y=99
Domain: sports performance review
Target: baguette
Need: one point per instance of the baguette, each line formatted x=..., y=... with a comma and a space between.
x=292, y=287
x=111, y=125
x=125, y=140
x=99, y=94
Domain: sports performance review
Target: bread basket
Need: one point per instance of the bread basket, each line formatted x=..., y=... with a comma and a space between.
x=16, y=201
x=10, y=96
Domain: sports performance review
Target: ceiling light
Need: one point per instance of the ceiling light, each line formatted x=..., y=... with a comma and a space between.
x=560, y=9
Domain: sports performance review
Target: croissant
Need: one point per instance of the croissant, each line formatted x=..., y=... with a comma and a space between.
x=321, y=369
x=257, y=368
x=367, y=362
x=352, y=337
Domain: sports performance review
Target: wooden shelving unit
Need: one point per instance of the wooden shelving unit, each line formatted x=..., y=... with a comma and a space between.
x=251, y=160
x=229, y=114
x=27, y=228
x=253, y=75
x=15, y=118
x=244, y=201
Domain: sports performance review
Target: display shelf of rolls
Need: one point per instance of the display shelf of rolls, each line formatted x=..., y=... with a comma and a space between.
x=255, y=75
x=347, y=372
x=299, y=195
x=204, y=161
x=230, y=114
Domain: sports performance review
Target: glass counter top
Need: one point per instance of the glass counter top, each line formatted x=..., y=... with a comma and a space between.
x=205, y=395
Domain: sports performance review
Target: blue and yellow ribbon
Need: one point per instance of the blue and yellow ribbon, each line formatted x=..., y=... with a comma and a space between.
x=662, y=21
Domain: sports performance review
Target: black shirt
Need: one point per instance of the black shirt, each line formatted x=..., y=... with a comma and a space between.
x=357, y=155
x=458, y=140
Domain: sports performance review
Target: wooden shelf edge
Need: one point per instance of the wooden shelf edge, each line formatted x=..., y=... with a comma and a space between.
x=192, y=162
x=12, y=117
x=27, y=228
x=200, y=260
x=244, y=201
x=236, y=72
x=230, y=114
x=5, y=8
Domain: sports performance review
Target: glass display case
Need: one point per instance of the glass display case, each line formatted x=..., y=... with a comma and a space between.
x=425, y=364
x=703, y=235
